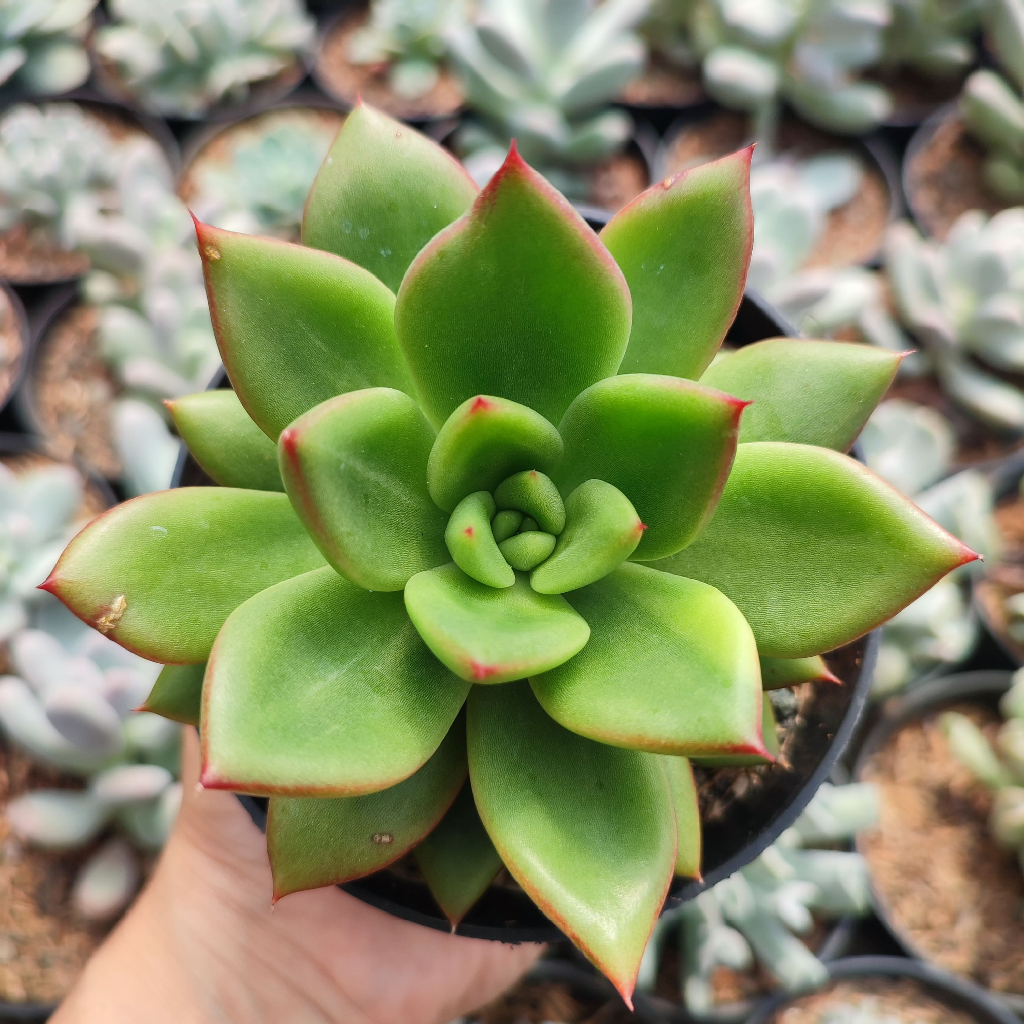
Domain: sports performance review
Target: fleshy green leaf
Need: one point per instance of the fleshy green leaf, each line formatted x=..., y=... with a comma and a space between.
x=355, y=471
x=683, y=246
x=177, y=693
x=517, y=299
x=472, y=544
x=318, y=688
x=601, y=531
x=225, y=441
x=296, y=326
x=458, y=859
x=160, y=574
x=484, y=441
x=814, y=549
x=535, y=495
x=382, y=193
x=779, y=672
x=586, y=829
x=488, y=635
x=315, y=841
x=683, y=787
x=524, y=551
x=732, y=760
x=666, y=443
x=671, y=667
x=505, y=523
x=808, y=392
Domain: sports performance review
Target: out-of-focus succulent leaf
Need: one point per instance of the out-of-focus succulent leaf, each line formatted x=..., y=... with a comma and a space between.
x=319, y=688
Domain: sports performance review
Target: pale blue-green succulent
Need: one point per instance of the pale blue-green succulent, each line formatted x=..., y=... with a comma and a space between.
x=42, y=45
x=932, y=37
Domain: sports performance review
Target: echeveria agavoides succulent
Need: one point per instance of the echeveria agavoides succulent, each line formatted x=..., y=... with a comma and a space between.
x=492, y=525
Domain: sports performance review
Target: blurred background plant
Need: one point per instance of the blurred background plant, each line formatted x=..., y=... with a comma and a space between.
x=42, y=45
x=934, y=38
x=182, y=57
x=410, y=37
x=543, y=72
x=757, y=914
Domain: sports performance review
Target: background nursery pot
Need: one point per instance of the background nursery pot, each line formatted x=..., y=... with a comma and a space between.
x=976, y=689
x=749, y=808
x=952, y=993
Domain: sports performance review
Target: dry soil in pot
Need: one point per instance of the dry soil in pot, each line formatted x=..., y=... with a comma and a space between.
x=662, y=84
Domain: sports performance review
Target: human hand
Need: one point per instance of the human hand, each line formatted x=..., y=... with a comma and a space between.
x=201, y=945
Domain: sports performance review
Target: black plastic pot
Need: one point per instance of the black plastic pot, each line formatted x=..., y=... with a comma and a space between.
x=755, y=819
x=23, y=1012
x=945, y=988
x=7, y=419
x=874, y=151
x=984, y=688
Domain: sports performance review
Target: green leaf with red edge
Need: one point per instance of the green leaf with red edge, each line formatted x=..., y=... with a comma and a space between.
x=684, y=800
x=316, y=841
x=355, y=471
x=473, y=546
x=484, y=441
x=296, y=326
x=586, y=829
x=779, y=672
x=601, y=531
x=177, y=693
x=808, y=392
x=671, y=667
x=815, y=549
x=382, y=193
x=160, y=574
x=517, y=299
x=487, y=635
x=458, y=861
x=225, y=441
x=666, y=443
x=684, y=246
x=318, y=688
x=770, y=752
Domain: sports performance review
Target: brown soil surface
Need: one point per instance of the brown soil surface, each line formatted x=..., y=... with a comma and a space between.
x=888, y=998
x=975, y=442
x=943, y=881
x=340, y=78
x=616, y=181
x=72, y=390
x=662, y=85
x=42, y=947
x=1006, y=577
x=944, y=179
x=916, y=96
x=536, y=1002
x=854, y=231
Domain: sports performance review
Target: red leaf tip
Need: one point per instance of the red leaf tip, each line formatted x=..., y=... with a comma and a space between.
x=468, y=531
x=481, y=671
x=49, y=585
x=480, y=404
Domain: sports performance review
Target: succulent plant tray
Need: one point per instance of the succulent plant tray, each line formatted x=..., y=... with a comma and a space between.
x=941, y=879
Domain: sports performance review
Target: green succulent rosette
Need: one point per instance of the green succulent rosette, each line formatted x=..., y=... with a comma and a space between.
x=489, y=512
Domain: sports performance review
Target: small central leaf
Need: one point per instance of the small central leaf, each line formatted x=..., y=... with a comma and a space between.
x=526, y=550
x=472, y=544
x=487, y=635
x=535, y=494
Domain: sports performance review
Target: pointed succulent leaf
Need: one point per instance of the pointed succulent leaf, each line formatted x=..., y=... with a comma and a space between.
x=517, y=299
x=473, y=546
x=506, y=523
x=382, y=193
x=355, y=469
x=318, y=649
x=316, y=841
x=808, y=392
x=487, y=635
x=666, y=443
x=484, y=441
x=683, y=787
x=527, y=550
x=160, y=574
x=585, y=828
x=296, y=326
x=535, y=495
x=458, y=861
x=601, y=531
x=177, y=693
x=683, y=246
x=814, y=549
x=779, y=672
x=671, y=667
x=225, y=441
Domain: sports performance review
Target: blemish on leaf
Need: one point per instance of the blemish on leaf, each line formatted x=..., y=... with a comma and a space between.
x=108, y=621
x=364, y=233
x=346, y=226
x=159, y=530
x=211, y=252
x=383, y=838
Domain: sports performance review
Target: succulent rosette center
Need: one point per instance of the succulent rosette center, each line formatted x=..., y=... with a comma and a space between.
x=501, y=543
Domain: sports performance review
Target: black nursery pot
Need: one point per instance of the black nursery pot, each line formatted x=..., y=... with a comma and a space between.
x=962, y=996
x=754, y=819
